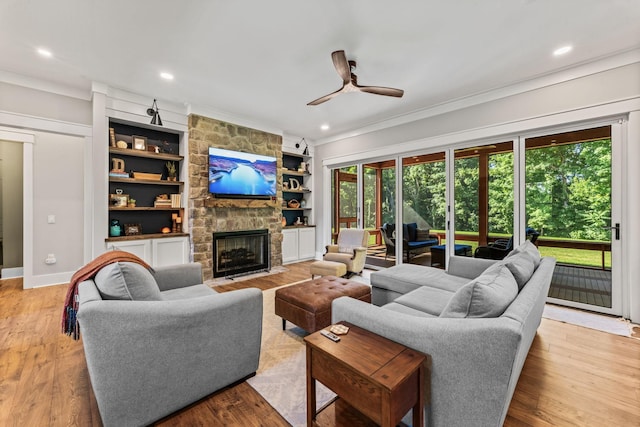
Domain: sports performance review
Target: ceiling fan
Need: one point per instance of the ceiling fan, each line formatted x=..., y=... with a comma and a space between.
x=350, y=81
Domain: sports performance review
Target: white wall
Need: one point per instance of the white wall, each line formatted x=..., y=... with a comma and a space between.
x=11, y=157
x=612, y=93
x=59, y=134
x=58, y=190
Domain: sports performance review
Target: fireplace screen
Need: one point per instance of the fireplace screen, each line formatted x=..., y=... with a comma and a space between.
x=241, y=252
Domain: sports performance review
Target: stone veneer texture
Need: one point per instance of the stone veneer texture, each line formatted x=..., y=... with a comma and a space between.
x=208, y=214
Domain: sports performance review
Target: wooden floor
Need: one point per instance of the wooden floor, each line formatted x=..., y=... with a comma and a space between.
x=573, y=376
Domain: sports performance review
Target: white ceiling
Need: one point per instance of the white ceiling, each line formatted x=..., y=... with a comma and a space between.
x=263, y=61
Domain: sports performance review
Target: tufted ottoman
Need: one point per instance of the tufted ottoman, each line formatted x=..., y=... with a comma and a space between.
x=308, y=304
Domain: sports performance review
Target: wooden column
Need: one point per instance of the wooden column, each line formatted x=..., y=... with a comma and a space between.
x=483, y=198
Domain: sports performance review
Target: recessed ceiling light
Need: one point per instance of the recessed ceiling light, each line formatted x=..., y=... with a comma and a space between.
x=44, y=52
x=324, y=127
x=562, y=50
x=166, y=76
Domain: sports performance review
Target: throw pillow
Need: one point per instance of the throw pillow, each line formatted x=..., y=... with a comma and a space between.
x=522, y=266
x=410, y=232
x=127, y=281
x=488, y=295
x=530, y=249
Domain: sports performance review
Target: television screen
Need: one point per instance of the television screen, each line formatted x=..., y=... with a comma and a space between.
x=232, y=173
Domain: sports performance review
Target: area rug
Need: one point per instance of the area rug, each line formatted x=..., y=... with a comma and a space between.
x=604, y=323
x=281, y=375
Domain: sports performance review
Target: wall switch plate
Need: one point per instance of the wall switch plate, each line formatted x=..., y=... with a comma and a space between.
x=51, y=219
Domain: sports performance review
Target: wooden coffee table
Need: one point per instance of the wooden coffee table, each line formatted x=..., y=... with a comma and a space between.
x=380, y=378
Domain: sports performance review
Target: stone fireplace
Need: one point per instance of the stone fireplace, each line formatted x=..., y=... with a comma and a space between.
x=208, y=215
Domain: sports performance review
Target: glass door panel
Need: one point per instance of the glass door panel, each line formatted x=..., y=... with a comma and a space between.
x=379, y=211
x=569, y=201
x=344, y=200
x=424, y=206
x=483, y=201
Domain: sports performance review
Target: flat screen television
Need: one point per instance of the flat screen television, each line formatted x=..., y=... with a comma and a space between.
x=236, y=174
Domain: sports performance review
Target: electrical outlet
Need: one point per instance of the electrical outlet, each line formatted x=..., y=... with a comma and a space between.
x=51, y=219
x=51, y=259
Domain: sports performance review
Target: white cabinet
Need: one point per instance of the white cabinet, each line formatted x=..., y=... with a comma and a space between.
x=156, y=252
x=298, y=244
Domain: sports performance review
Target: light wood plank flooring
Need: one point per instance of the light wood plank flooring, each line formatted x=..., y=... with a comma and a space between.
x=573, y=376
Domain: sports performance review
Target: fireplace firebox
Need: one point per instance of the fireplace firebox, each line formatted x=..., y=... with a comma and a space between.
x=241, y=252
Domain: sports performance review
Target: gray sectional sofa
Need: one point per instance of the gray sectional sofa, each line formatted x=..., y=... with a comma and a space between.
x=157, y=342
x=477, y=320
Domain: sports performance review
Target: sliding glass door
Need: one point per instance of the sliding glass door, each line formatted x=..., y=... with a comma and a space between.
x=569, y=200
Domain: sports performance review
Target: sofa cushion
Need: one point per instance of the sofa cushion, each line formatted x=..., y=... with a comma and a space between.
x=399, y=308
x=127, y=281
x=187, y=292
x=521, y=266
x=426, y=299
x=488, y=295
x=528, y=248
x=405, y=278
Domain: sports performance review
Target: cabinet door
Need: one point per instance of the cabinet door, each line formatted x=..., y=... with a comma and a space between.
x=306, y=243
x=289, y=245
x=170, y=251
x=140, y=248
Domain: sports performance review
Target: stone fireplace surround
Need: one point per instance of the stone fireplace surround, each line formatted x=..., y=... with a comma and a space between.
x=208, y=214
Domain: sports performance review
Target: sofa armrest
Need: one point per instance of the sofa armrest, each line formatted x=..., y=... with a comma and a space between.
x=472, y=359
x=147, y=359
x=178, y=276
x=468, y=267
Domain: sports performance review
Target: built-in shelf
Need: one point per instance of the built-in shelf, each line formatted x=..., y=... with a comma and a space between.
x=145, y=181
x=144, y=208
x=145, y=154
x=145, y=236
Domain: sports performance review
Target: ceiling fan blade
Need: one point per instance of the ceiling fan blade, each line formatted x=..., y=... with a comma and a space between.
x=342, y=65
x=325, y=98
x=379, y=90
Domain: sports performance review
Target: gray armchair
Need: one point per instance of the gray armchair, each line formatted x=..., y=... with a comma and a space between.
x=162, y=349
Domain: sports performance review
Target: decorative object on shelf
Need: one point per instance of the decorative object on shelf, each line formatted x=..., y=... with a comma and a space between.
x=155, y=114
x=153, y=148
x=294, y=184
x=132, y=229
x=304, y=167
x=293, y=203
x=303, y=203
x=305, y=152
x=132, y=203
x=284, y=221
x=171, y=171
x=148, y=176
x=122, y=144
x=139, y=142
x=298, y=221
x=114, y=229
x=118, y=170
x=112, y=137
x=177, y=220
x=285, y=185
x=166, y=230
x=119, y=200
x=305, y=220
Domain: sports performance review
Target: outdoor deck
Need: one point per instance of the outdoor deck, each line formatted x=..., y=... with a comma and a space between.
x=570, y=283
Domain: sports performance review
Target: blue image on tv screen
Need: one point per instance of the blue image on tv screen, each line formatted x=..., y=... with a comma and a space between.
x=235, y=173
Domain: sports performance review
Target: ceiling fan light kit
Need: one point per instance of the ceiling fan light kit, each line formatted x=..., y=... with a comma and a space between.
x=350, y=81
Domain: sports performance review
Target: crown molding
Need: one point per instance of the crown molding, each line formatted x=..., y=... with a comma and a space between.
x=45, y=86
x=561, y=76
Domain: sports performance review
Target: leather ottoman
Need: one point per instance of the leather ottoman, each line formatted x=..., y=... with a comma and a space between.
x=308, y=304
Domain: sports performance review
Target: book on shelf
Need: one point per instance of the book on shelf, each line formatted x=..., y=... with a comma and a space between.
x=162, y=204
x=119, y=174
x=176, y=200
